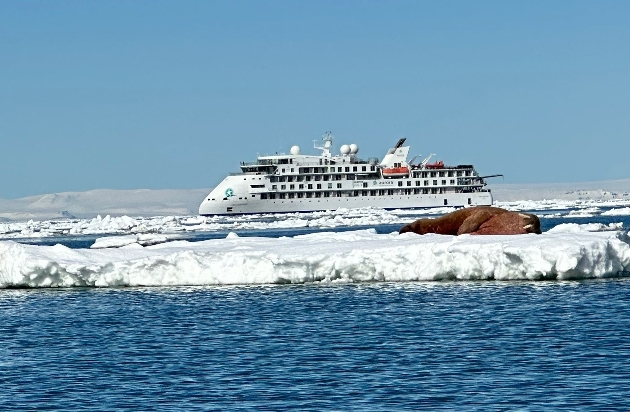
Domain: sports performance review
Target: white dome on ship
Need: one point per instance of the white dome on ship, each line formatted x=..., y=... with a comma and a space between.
x=345, y=149
x=295, y=150
x=354, y=149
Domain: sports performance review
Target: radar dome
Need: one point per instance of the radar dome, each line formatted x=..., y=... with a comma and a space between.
x=345, y=149
x=354, y=149
x=295, y=150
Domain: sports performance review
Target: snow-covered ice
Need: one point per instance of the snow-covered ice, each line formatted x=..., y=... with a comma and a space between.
x=325, y=219
x=355, y=256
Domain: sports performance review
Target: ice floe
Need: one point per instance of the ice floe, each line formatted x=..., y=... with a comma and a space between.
x=326, y=219
x=354, y=256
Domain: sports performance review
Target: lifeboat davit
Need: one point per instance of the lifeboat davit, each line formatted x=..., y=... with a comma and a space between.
x=437, y=165
x=395, y=171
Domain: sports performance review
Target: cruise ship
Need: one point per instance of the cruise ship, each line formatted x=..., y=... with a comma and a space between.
x=297, y=182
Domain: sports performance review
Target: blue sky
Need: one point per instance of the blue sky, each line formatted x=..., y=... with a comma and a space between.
x=166, y=94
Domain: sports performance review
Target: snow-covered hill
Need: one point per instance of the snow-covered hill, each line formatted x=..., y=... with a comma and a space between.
x=182, y=202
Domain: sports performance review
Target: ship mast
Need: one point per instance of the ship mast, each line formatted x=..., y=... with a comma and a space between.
x=327, y=138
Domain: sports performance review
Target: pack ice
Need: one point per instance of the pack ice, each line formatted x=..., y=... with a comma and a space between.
x=566, y=252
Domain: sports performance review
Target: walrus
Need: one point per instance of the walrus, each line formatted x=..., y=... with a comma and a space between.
x=479, y=220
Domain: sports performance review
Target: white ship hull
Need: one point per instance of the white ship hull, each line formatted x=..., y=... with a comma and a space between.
x=310, y=205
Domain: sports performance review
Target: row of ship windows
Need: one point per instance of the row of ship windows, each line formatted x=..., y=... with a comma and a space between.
x=353, y=193
x=346, y=169
x=307, y=178
x=339, y=185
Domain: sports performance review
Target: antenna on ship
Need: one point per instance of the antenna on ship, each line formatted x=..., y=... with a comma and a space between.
x=327, y=138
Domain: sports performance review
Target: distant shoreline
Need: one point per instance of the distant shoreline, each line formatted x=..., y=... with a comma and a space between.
x=162, y=202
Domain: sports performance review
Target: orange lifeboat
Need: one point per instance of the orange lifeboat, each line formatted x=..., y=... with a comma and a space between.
x=437, y=165
x=395, y=171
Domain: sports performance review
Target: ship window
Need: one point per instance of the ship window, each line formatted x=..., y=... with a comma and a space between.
x=426, y=183
x=452, y=181
x=445, y=202
x=364, y=193
x=282, y=196
x=469, y=201
x=354, y=168
x=435, y=183
x=339, y=169
x=363, y=168
x=400, y=183
x=291, y=187
x=408, y=182
x=263, y=196
x=300, y=195
x=319, y=186
x=310, y=186
x=330, y=185
x=417, y=183
x=365, y=184
x=381, y=192
x=272, y=195
x=442, y=174
x=319, y=194
x=317, y=178
x=390, y=192
x=450, y=173
x=425, y=191
x=433, y=174
x=434, y=191
x=347, y=169
x=282, y=187
x=274, y=187
x=283, y=170
x=291, y=161
x=338, y=185
x=349, y=177
x=301, y=186
x=326, y=178
x=443, y=182
x=416, y=191
x=291, y=195
x=309, y=194
x=372, y=168
x=308, y=178
x=289, y=178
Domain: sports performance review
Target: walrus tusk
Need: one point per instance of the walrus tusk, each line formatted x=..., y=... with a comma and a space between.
x=528, y=226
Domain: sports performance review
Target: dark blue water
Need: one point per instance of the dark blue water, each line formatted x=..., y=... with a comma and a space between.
x=387, y=347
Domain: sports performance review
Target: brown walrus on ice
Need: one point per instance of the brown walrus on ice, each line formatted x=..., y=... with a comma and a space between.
x=479, y=220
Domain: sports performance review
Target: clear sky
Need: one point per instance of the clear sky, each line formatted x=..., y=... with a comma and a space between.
x=174, y=94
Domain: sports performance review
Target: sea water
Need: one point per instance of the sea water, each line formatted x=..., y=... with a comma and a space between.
x=389, y=346
x=395, y=346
